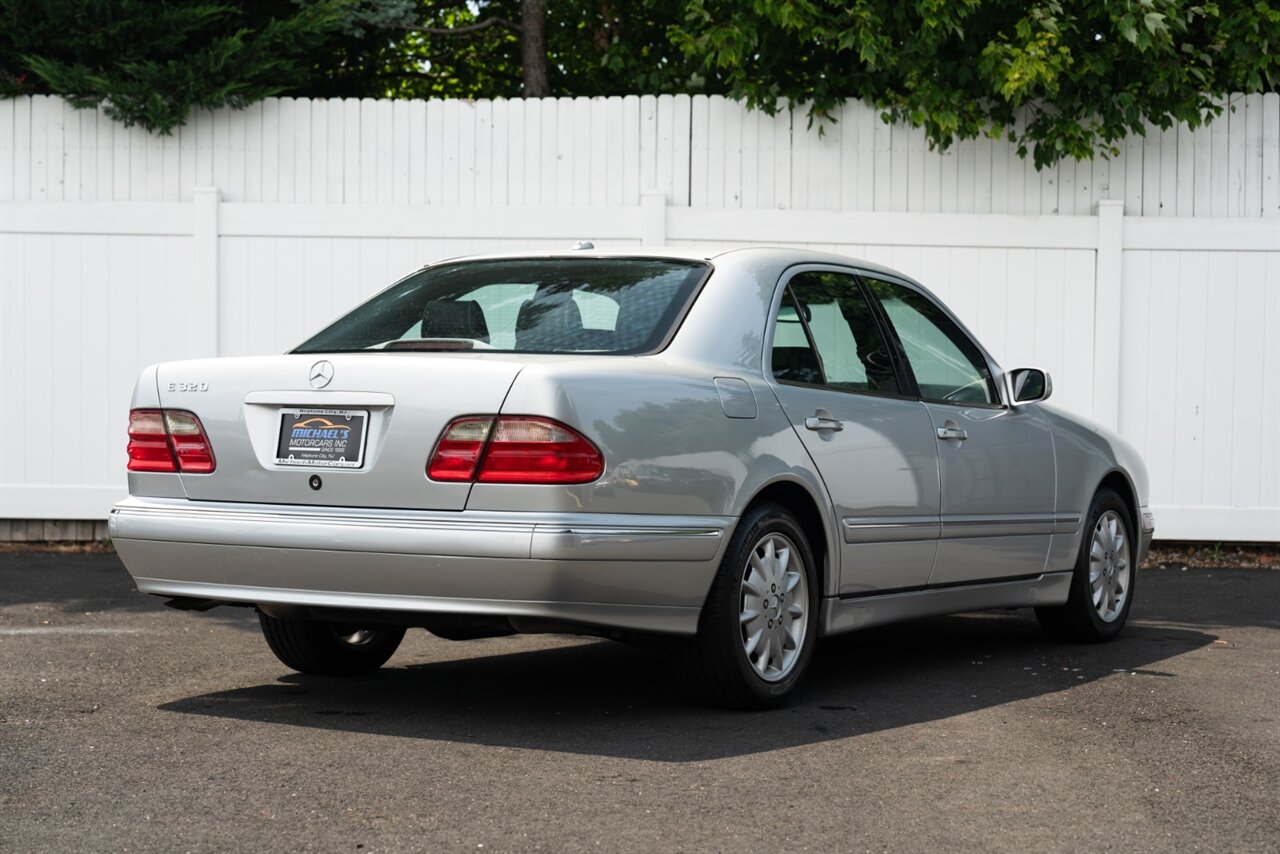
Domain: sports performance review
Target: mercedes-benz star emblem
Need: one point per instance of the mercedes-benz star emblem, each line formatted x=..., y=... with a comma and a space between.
x=321, y=373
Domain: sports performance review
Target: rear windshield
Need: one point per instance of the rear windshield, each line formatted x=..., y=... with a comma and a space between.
x=588, y=305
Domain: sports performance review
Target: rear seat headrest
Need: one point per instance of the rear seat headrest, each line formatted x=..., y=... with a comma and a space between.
x=454, y=319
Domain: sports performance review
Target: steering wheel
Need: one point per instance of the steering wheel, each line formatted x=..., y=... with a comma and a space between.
x=972, y=392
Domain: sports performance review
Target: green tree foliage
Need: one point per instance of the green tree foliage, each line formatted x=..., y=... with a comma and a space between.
x=1088, y=72
x=151, y=62
x=464, y=49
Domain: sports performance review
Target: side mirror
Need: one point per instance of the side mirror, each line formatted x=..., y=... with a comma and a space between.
x=1030, y=385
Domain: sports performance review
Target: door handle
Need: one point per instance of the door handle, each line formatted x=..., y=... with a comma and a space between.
x=952, y=433
x=818, y=422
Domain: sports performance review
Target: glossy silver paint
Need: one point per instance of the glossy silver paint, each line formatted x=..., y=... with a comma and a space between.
x=690, y=435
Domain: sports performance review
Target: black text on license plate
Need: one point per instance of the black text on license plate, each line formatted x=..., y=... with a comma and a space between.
x=322, y=438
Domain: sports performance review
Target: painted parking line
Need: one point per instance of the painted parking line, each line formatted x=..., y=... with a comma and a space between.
x=69, y=630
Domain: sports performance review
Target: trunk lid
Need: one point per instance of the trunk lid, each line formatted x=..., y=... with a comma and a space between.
x=366, y=432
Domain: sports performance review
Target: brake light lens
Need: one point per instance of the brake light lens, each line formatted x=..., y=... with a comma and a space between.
x=168, y=440
x=514, y=449
x=459, y=449
x=190, y=444
x=148, y=442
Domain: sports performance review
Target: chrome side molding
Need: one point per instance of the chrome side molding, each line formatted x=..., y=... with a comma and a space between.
x=897, y=529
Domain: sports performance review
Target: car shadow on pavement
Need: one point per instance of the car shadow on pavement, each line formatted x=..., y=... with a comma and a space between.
x=70, y=582
x=77, y=584
x=607, y=699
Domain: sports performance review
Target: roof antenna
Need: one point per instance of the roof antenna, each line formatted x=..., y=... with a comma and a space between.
x=584, y=244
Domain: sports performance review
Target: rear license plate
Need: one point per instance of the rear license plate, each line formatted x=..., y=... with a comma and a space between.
x=322, y=438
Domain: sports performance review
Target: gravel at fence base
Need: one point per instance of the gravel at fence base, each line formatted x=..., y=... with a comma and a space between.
x=1214, y=555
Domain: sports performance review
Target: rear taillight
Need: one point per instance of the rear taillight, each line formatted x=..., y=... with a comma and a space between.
x=514, y=449
x=168, y=440
x=535, y=450
x=190, y=444
x=459, y=449
x=148, y=442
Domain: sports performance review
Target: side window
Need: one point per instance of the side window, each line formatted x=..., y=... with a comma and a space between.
x=793, y=358
x=948, y=366
x=843, y=327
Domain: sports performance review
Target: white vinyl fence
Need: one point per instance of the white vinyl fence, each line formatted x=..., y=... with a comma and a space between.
x=1148, y=284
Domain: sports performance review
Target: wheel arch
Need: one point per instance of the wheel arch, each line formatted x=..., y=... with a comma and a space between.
x=1118, y=481
x=797, y=497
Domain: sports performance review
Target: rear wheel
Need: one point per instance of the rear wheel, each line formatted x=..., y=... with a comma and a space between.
x=1102, y=584
x=327, y=648
x=758, y=627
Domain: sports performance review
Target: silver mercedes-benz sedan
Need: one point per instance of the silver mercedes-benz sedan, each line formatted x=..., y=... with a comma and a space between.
x=739, y=452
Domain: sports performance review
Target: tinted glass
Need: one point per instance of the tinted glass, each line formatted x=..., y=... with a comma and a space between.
x=618, y=305
x=793, y=358
x=948, y=366
x=853, y=351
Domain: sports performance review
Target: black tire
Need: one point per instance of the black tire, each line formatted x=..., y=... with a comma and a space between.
x=1079, y=620
x=717, y=665
x=323, y=648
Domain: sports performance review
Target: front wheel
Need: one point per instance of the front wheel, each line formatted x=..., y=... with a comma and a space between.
x=1102, y=584
x=759, y=624
x=330, y=649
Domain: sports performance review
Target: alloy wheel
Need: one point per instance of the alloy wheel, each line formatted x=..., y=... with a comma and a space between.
x=1109, y=566
x=773, y=607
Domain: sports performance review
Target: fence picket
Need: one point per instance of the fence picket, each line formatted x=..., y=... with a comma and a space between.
x=1271, y=154
x=1253, y=155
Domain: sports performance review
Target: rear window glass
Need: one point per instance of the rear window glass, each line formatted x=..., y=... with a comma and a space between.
x=590, y=305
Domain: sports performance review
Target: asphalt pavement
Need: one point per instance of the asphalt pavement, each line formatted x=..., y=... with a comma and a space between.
x=126, y=726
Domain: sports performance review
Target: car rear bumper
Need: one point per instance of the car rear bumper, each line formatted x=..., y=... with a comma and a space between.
x=634, y=572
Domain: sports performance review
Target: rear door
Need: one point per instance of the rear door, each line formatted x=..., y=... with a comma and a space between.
x=996, y=463
x=840, y=387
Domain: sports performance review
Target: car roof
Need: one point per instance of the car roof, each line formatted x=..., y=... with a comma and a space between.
x=795, y=255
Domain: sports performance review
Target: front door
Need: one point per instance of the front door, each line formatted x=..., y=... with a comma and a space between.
x=873, y=445
x=996, y=463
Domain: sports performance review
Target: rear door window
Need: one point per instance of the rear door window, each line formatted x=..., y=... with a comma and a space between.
x=827, y=312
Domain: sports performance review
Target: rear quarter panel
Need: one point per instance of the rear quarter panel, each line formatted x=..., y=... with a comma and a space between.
x=668, y=444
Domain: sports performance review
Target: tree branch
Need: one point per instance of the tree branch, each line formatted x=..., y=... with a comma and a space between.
x=469, y=28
